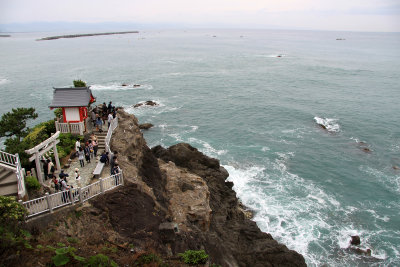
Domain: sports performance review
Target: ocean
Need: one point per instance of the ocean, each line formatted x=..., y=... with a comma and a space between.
x=256, y=100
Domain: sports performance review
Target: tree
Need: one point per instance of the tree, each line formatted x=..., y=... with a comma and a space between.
x=13, y=124
x=79, y=83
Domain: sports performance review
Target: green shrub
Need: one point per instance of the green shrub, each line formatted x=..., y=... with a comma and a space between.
x=64, y=255
x=58, y=112
x=100, y=260
x=40, y=132
x=32, y=183
x=194, y=257
x=67, y=144
x=72, y=240
x=148, y=258
x=11, y=211
x=12, y=215
x=79, y=83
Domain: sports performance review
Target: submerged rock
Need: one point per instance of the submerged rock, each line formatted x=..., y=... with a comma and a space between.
x=147, y=103
x=364, y=147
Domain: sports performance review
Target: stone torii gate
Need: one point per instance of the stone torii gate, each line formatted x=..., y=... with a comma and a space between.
x=43, y=148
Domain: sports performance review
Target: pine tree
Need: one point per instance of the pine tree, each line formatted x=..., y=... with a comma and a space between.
x=13, y=124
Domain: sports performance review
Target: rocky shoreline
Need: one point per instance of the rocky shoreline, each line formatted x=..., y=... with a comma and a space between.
x=82, y=35
x=174, y=199
x=190, y=190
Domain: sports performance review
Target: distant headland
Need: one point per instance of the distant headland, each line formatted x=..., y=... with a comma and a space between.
x=82, y=35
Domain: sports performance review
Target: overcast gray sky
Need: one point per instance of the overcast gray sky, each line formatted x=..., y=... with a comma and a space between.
x=348, y=15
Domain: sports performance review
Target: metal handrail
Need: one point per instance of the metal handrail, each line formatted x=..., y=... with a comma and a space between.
x=113, y=125
x=50, y=202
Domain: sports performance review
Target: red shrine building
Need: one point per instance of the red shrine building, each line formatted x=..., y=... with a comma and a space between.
x=74, y=103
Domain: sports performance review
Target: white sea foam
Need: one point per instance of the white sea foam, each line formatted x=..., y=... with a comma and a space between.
x=391, y=182
x=272, y=55
x=4, y=81
x=301, y=223
x=265, y=149
x=150, y=110
x=330, y=125
x=376, y=216
x=119, y=87
x=206, y=148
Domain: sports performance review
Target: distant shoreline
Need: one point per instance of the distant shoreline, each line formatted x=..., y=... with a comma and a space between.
x=82, y=35
x=5, y=35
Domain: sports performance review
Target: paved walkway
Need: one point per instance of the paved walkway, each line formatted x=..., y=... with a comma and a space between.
x=86, y=172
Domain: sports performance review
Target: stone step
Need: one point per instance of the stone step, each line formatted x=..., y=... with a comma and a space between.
x=8, y=182
x=100, y=133
x=4, y=173
x=9, y=189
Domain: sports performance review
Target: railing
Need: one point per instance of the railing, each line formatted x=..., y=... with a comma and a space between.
x=113, y=125
x=73, y=127
x=8, y=159
x=20, y=176
x=13, y=161
x=50, y=202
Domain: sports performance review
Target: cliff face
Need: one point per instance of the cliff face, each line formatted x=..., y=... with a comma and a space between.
x=180, y=186
x=173, y=200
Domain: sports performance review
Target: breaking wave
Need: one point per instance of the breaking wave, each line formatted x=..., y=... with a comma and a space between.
x=120, y=87
x=304, y=217
x=4, y=81
x=330, y=125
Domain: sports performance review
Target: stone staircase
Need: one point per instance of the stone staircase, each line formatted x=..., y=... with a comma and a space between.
x=101, y=140
x=8, y=181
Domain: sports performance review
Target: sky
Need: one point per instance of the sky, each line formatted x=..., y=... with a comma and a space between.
x=340, y=15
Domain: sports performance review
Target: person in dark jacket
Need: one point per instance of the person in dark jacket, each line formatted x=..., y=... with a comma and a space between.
x=104, y=158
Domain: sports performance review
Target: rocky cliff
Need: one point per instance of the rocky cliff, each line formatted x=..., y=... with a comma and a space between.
x=183, y=189
x=174, y=199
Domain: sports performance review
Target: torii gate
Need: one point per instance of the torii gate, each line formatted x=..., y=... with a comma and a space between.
x=43, y=148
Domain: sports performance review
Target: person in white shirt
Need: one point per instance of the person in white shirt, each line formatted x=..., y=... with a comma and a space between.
x=77, y=146
x=109, y=118
x=77, y=177
x=64, y=189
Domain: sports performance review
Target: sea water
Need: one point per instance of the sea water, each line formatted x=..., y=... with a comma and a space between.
x=256, y=100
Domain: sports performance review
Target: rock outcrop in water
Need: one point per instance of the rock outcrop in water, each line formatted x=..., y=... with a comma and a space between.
x=189, y=189
x=174, y=199
x=147, y=103
x=145, y=126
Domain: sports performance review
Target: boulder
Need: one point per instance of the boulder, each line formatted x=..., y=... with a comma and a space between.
x=145, y=126
x=188, y=196
x=366, y=150
x=355, y=240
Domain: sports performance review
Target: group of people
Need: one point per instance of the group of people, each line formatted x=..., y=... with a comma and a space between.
x=113, y=162
x=102, y=114
x=61, y=184
x=88, y=150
